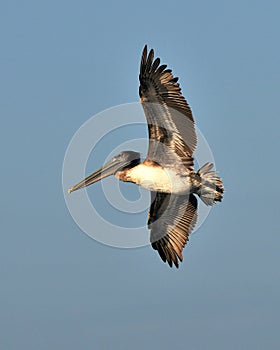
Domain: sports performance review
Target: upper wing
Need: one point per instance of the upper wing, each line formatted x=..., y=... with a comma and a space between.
x=171, y=220
x=168, y=114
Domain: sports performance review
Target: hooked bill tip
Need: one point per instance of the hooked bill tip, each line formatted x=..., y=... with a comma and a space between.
x=70, y=190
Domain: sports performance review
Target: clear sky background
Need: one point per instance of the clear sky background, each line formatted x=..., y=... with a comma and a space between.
x=63, y=61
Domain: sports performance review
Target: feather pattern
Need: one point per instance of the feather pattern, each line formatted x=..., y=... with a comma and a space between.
x=171, y=220
x=168, y=114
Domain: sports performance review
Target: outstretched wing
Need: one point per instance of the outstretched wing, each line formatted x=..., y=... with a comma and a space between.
x=168, y=114
x=171, y=220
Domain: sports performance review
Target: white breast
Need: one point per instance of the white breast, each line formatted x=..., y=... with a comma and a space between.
x=159, y=179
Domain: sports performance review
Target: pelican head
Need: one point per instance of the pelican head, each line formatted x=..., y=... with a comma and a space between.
x=124, y=160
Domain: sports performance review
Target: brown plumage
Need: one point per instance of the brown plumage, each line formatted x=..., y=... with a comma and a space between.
x=172, y=139
x=168, y=170
x=169, y=117
x=171, y=220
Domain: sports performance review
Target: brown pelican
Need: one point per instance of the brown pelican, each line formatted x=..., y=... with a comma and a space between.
x=168, y=170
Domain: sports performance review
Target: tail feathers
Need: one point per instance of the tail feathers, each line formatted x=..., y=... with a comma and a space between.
x=211, y=188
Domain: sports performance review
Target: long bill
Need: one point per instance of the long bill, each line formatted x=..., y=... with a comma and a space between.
x=108, y=169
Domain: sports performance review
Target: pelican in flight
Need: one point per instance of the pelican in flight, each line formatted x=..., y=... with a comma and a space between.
x=168, y=170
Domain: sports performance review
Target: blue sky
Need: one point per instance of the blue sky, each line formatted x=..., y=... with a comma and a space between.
x=62, y=62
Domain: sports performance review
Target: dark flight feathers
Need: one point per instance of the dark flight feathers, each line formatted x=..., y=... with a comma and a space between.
x=171, y=220
x=172, y=142
x=168, y=114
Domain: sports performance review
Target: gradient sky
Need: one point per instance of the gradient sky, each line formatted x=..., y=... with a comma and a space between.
x=64, y=61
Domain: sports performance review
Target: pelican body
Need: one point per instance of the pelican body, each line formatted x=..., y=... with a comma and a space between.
x=154, y=177
x=168, y=170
